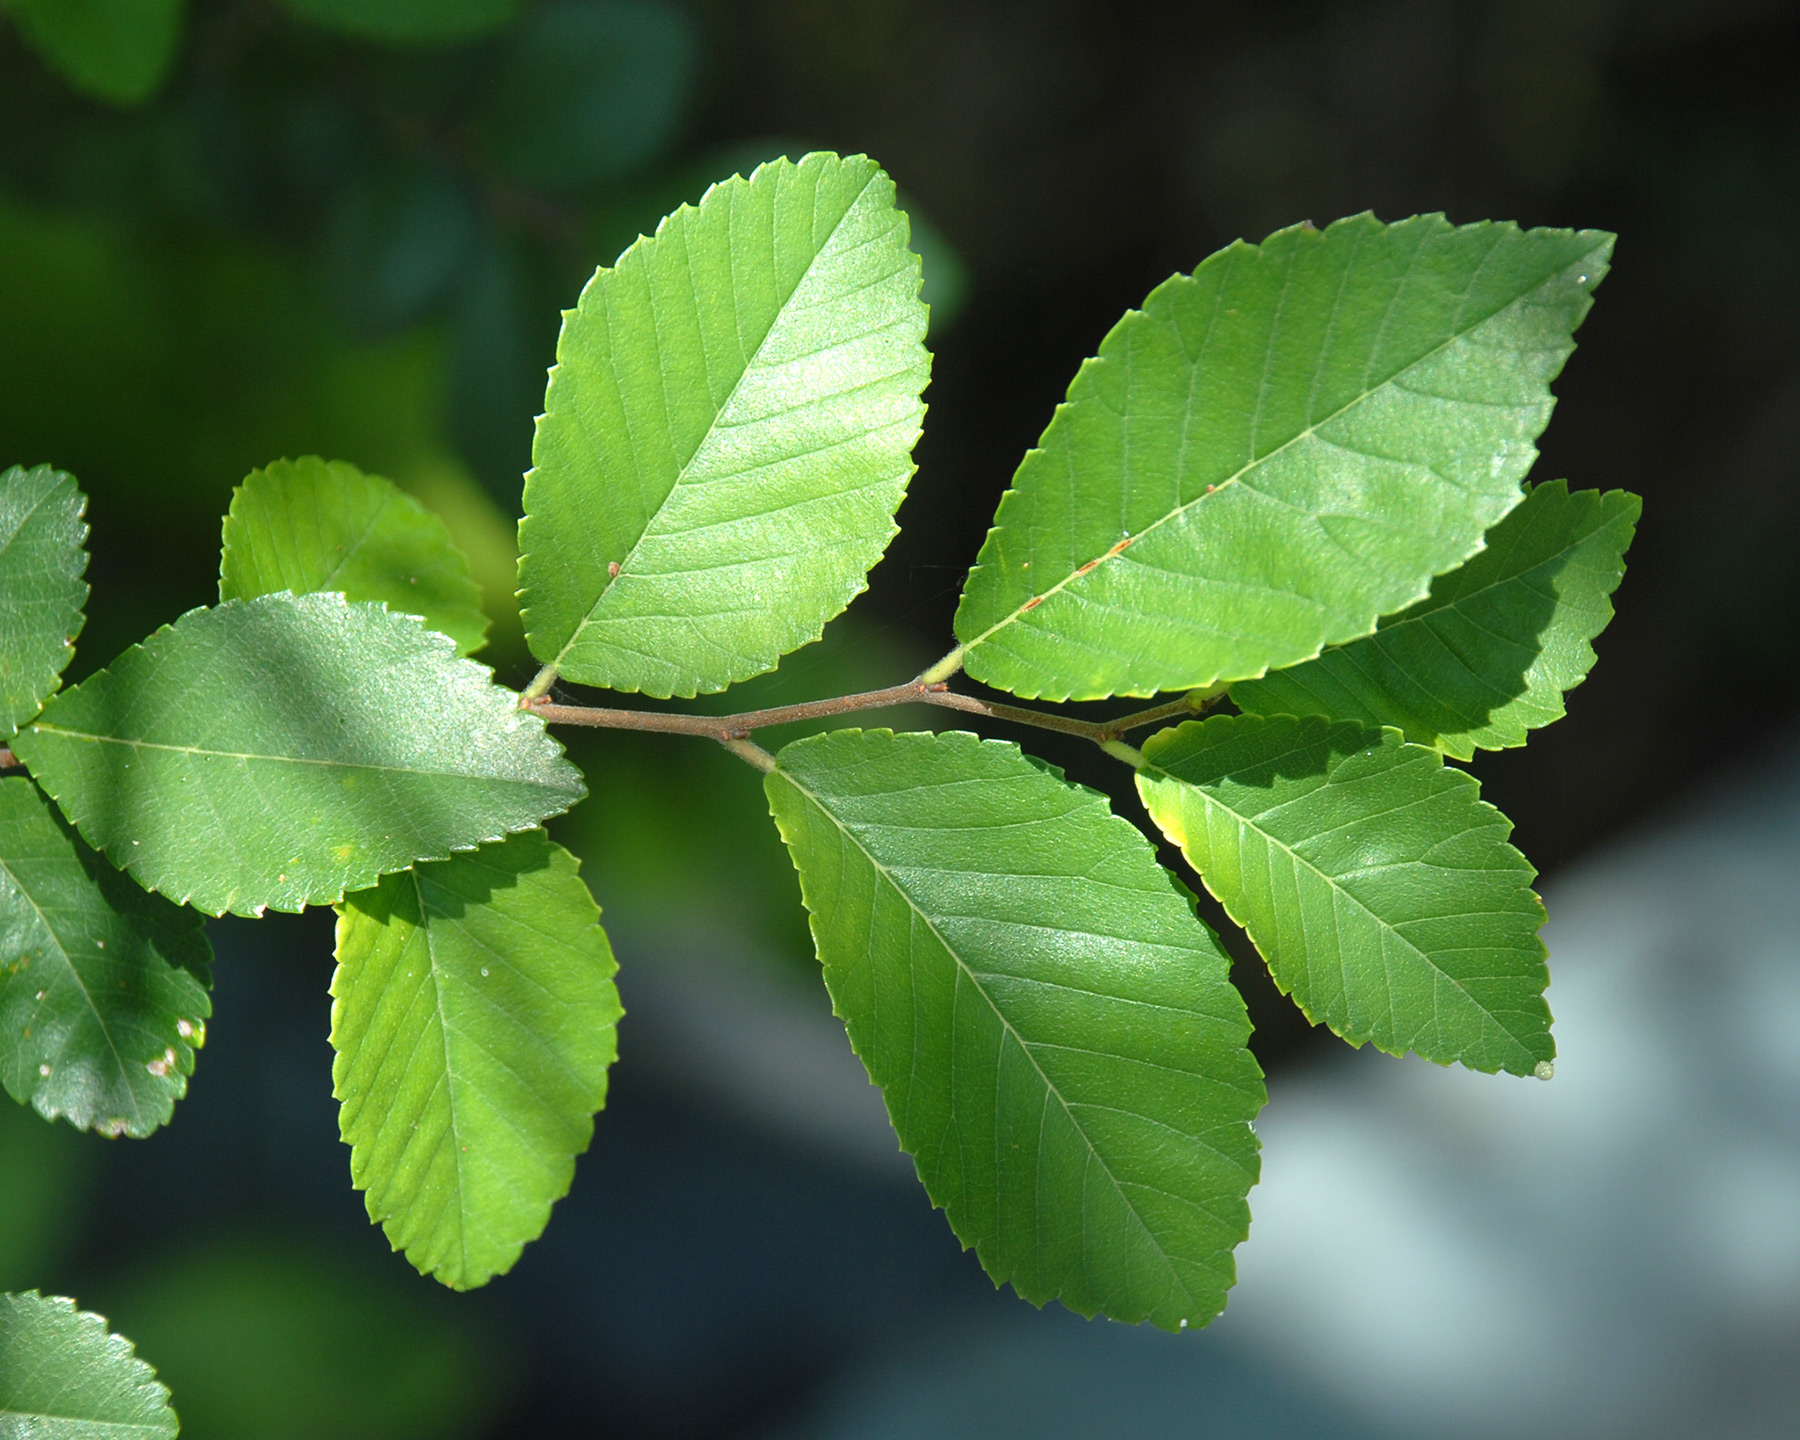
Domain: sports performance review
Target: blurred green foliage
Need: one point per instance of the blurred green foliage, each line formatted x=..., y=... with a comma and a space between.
x=117, y=50
x=47, y=1170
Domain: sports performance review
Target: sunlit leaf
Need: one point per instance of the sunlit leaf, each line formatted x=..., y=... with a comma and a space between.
x=63, y=1377
x=406, y=21
x=474, y=1023
x=1052, y=1027
x=727, y=433
x=310, y=524
x=1274, y=452
x=102, y=985
x=278, y=752
x=1374, y=880
x=114, y=50
x=1489, y=654
x=41, y=589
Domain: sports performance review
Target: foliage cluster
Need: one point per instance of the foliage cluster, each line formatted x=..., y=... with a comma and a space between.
x=1293, y=481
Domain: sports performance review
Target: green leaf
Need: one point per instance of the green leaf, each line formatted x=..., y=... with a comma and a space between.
x=474, y=1020
x=114, y=50
x=310, y=524
x=102, y=986
x=1053, y=1030
x=278, y=752
x=63, y=1377
x=727, y=433
x=406, y=21
x=1274, y=452
x=41, y=589
x=1489, y=654
x=1374, y=880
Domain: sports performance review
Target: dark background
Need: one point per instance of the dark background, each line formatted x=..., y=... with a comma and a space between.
x=305, y=241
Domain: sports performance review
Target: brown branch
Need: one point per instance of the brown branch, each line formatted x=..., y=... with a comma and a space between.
x=8, y=760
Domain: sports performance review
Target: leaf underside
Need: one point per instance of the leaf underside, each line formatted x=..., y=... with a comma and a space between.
x=1488, y=656
x=1376, y=883
x=102, y=985
x=41, y=589
x=727, y=433
x=1052, y=1027
x=63, y=1377
x=474, y=1019
x=1274, y=452
x=311, y=524
x=280, y=751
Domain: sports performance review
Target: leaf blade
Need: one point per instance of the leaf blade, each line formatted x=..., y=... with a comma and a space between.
x=102, y=986
x=42, y=560
x=1373, y=879
x=1490, y=653
x=504, y=1097
x=64, y=1377
x=119, y=51
x=727, y=433
x=311, y=524
x=1274, y=452
x=929, y=864
x=277, y=752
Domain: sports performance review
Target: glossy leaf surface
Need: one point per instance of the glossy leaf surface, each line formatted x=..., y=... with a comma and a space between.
x=41, y=589
x=474, y=1018
x=1374, y=880
x=1489, y=654
x=278, y=752
x=63, y=1377
x=311, y=524
x=727, y=433
x=113, y=50
x=1052, y=1027
x=102, y=985
x=1274, y=452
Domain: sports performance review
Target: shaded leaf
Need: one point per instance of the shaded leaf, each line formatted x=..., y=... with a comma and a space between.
x=1489, y=654
x=311, y=524
x=63, y=1377
x=727, y=433
x=41, y=589
x=1372, y=877
x=588, y=92
x=406, y=21
x=102, y=985
x=280, y=751
x=1274, y=452
x=114, y=50
x=1052, y=1028
x=474, y=1020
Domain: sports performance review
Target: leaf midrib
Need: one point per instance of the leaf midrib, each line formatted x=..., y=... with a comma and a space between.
x=1081, y=571
x=1336, y=889
x=1005, y=1024
x=712, y=426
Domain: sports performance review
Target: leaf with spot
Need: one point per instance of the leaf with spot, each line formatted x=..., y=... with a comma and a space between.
x=64, y=1377
x=1274, y=452
x=311, y=524
x=280, y=751
x=1053, y=1029
x=102, y=985
x=727, y=433
x=474, y=1019
x=41, y=589
x=1488, y=656
x=1372, y=877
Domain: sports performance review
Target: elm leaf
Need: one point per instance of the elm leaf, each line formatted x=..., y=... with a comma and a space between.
x=1274, y=452
x=1376, y=883
x=1052, y=1027
x=474, y=1019
x=63, y=1377
x=727, y=433
x=311, y=524
x=102, y=985
x=278, y=752
x=41, y=589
